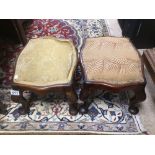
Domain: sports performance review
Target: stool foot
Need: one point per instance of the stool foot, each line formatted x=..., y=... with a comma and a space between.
x=25, y=103
x=138, y=96
x=72, y=100
x=3, y=108
x=133, y=110
x=22, y=111
x=73, y=110
x=86, y=96
x=83, y=110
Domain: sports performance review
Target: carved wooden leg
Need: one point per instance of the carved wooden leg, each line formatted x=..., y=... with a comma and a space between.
x=72, y=97
x=3, y=109
x=139, y=96
x=25, y=103
x=85, y=96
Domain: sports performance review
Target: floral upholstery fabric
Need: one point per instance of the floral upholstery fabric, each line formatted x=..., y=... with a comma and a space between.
x=46, y=61
x=111, y=60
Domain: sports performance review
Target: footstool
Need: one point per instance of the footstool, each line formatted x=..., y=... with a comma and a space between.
x=112, y=63
x=45, y=64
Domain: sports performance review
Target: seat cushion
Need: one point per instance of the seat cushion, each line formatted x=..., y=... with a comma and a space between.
x=111, y=60
x=46, y=61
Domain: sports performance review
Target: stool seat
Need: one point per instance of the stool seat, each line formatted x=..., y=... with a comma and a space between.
x=46, y=61
x=111, y=64
x=111, y=60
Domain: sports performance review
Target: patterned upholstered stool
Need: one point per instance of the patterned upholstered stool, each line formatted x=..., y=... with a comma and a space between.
x=111, y=63
x=46, y=64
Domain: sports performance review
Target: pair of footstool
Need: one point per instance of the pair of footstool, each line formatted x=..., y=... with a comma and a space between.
x=48, y=64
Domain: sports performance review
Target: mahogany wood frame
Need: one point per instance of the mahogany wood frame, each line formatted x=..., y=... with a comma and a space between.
x=89, y=87
x=68, y=89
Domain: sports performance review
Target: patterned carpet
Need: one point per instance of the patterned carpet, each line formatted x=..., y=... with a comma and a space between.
x=108, y=113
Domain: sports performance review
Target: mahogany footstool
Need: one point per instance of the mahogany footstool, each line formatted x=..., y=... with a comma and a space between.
x=111, y=63
x=45, y=65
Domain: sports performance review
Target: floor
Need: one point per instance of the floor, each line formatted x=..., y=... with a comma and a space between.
x=146, y=108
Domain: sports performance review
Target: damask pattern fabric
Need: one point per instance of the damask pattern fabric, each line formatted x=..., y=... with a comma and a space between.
x=111, y=60
x=46, y=61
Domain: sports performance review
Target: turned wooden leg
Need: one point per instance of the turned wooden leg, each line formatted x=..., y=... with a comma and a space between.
x=72, y=97
x=3, y=108
x=25, y=103
x=85, y=96
x=139, y=96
